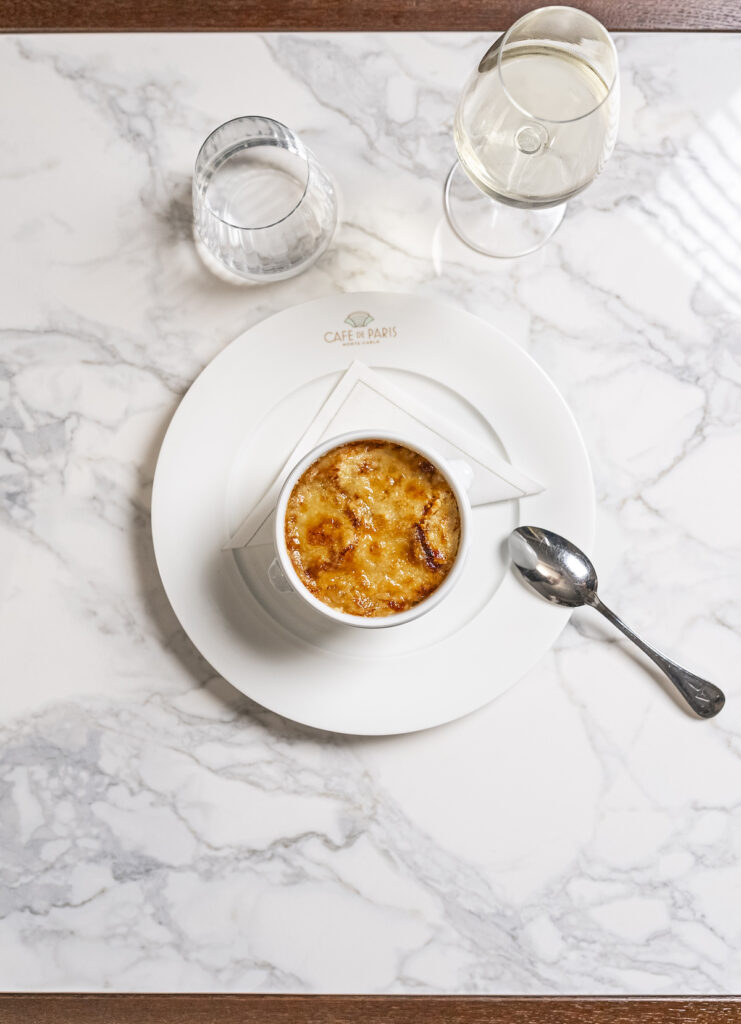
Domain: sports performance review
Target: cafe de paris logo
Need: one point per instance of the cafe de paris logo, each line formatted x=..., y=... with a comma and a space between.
x=359, y=330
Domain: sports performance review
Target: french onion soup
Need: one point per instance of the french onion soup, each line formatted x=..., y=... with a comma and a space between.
x=372, y=528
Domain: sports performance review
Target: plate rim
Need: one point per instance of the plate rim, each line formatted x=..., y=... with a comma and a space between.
x=212, y=367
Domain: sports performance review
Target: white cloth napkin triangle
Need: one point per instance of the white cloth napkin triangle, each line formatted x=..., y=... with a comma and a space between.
x=365, y=399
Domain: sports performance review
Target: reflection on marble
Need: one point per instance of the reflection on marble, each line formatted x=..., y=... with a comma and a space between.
x=582, y=834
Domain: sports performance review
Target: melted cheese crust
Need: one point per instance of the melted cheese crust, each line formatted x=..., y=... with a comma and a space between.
x=372, y=528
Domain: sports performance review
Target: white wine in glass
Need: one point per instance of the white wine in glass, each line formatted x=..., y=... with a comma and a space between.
x=535, y=124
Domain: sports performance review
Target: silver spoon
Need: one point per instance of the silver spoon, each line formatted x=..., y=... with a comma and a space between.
x=562, y=574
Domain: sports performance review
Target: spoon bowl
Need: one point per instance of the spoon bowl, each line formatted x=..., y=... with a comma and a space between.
x=553, y=566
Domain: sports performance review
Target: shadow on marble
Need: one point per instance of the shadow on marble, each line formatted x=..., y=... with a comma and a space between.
x=592, y=627
x=655, y=675
x=177, y=215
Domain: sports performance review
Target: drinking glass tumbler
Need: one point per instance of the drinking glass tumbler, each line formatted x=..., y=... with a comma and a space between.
x=262, y=205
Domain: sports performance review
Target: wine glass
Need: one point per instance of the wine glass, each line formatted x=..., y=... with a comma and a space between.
x=535, y=124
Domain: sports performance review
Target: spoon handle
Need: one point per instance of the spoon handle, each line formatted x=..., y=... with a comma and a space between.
x=703, y=697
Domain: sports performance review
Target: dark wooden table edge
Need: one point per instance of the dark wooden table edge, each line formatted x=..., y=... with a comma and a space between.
x=349, y=15
x=204, y=1008
x=14, y=29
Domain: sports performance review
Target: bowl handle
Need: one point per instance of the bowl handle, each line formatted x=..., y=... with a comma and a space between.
x=462, y=472
x=278, y=578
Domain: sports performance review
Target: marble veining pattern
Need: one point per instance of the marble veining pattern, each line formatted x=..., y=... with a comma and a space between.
x=157, y=831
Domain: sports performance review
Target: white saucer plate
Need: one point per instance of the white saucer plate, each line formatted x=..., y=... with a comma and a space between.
x=237, y=425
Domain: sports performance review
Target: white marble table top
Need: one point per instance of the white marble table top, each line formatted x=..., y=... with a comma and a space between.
x=582, y=834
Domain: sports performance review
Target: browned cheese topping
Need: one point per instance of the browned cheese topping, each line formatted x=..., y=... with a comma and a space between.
x=372, y=528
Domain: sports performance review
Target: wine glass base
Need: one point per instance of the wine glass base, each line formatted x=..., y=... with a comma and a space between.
x=491, y=227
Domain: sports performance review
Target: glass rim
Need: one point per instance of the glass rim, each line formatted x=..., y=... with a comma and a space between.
x=582, y=14
x=303, y=153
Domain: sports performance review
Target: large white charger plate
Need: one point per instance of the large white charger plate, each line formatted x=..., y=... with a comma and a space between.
x=237, y=425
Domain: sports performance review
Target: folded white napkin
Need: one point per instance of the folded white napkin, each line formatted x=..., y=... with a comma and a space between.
x=365, y=400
